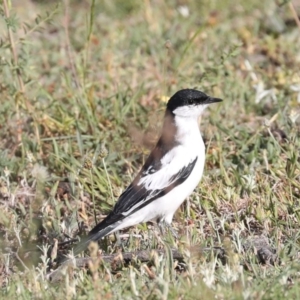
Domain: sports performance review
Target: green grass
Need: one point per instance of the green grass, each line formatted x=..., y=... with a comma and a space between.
x=82, y=107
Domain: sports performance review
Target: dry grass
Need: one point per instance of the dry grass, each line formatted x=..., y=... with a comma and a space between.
x=81, y=81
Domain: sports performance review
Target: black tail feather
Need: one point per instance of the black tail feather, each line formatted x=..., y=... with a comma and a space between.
x=101, y=230
x=93, y=236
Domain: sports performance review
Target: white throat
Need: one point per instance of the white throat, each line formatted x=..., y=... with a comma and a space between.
x=190, y=111
x=188, y=131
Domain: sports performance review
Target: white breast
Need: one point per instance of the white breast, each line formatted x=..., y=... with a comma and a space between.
x=191, y=146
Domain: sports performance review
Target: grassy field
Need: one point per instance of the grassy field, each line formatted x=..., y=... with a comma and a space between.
x=83, y=86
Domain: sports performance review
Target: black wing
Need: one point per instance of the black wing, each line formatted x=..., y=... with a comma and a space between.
x=136, y=196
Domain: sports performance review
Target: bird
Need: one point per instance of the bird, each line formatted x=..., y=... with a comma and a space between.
x=169, y=175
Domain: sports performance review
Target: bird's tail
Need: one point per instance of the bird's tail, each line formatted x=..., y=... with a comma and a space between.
x=107, y=226
x=84, y=243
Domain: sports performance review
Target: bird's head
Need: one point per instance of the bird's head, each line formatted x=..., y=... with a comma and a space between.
x=189, y=103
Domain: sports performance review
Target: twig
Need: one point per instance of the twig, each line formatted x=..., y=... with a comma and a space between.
x=68, y=242
x=88, y=40
x=259, y=245
x=15, y=62
x=38, y=25
x=119, y=258
x=294, y=13
x=21, y=261
x=68, y=47
x=20, y=80
x=93, y=196
x=13, y=49
x=108, y=179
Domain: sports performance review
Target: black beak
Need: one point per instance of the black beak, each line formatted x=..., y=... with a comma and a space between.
x=212, y=100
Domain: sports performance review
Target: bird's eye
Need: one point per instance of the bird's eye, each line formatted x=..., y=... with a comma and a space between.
x=190, y=101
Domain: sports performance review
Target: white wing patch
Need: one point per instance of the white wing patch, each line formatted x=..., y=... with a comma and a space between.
x=167, y=177
x=171, y=164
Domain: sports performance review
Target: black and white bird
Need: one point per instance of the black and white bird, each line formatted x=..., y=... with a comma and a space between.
x=169, y=175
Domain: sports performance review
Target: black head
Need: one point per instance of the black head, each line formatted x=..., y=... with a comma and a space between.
x=189, y=97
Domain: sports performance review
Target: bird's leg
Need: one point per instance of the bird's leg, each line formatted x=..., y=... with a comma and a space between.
x=118, y=239
x=172, y=230
x=163, y=225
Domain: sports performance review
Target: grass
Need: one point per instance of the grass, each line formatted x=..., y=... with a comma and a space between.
x=82, y=100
